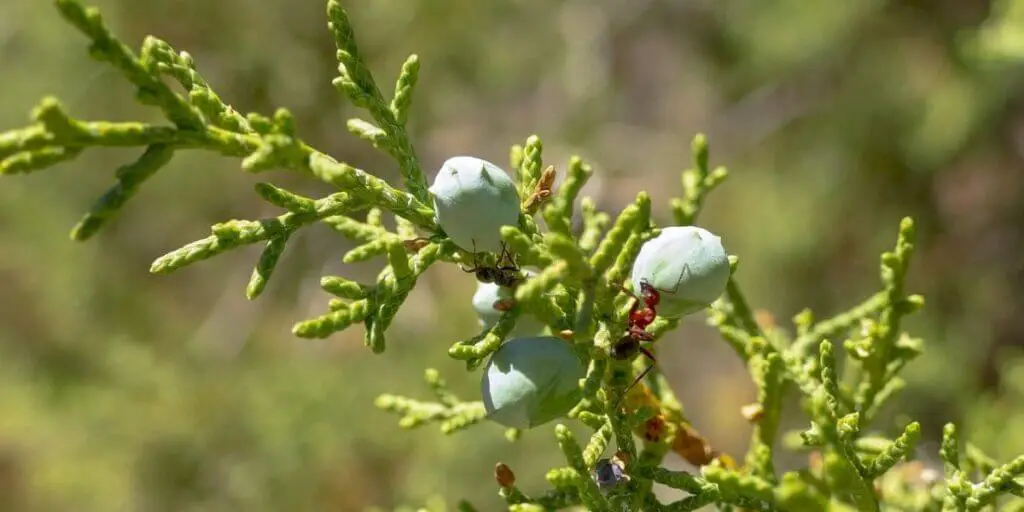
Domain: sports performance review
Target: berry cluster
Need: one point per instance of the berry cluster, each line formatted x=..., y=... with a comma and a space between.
x=533, y=378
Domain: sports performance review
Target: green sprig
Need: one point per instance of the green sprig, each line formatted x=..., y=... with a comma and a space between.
x=129, y=178
x=236, y=233
x=996, y=482
x=900, y=449
x=530, y=165
x=741, y=489
x=768, y=377
x=559, y=213
x=697, y=183
x=589, y=493
x=487, y=342
x=576, y=289
x=451, y=413
x=625, y=224
x=356, y=81
x=882, y=349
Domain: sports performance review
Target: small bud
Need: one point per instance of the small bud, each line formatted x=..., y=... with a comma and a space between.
x=815, y=461
x=764, y=319
x=491, y=300
x=654, y=428
x=473, y=199
x=687, y=265
x=547, y=179
x=535, y=199
x=513, y=434
x=692, y=447
x=415, y=244
x=504, y=475
x=752, y=412
x=621, y=457
x=531, y=381
x=542, y=191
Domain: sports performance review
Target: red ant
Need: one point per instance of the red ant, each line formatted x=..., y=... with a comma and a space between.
x=641, y=314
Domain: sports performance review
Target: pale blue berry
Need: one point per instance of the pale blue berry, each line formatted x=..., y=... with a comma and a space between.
x=473, y=199
x=531, y=381
x=489, y=300
x=687, y=265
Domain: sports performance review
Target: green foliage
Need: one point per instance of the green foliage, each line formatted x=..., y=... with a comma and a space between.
x=576, y=293
x=1002, y=36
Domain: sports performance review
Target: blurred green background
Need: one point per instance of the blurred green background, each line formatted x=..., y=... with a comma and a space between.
x=120, y=390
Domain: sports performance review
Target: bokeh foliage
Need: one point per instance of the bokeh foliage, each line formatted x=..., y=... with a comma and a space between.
x=848, y=119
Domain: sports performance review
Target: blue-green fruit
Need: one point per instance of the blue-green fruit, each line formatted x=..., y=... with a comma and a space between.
x=487, y=294
x=687, y=265
x=473, y=199
x=531, y=381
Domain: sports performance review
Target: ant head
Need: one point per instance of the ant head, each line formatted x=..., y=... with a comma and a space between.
x=649, y=294
x=625, y=348
x=487, y=274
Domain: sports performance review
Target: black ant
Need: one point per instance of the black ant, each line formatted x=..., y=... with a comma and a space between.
x=641, y=314
x=506, y=275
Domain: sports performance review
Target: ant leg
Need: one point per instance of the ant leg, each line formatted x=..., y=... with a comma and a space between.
x=637, y=301
x=504, y=261
x=476, y=266
x=640, y=334
x=640, y=377
x=634, y=383
x=506, y=256
x=649, y=355
x=675, y=289
x=636, y=298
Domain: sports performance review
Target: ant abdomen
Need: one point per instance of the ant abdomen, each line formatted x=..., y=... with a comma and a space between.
x=507, y=279
x=625, y=348
x=503, y=274
x=487, y=274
